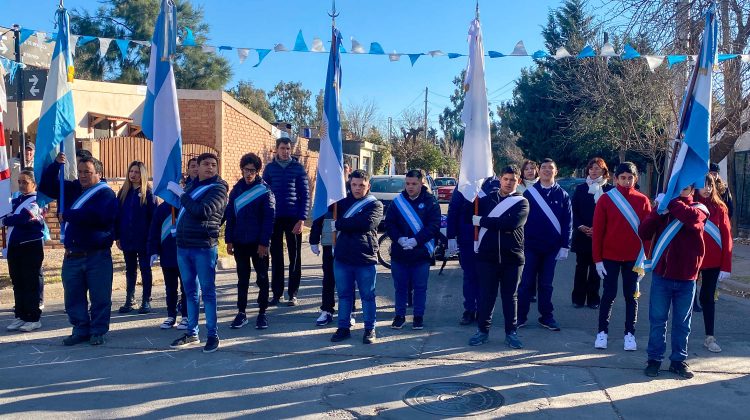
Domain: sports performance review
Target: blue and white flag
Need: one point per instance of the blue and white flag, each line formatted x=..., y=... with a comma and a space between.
x=691, y=164
x=161, y=116
x=329, y=182
x=57, y=118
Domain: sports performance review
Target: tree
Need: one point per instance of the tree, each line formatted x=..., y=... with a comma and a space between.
x=360, y=116
x=254, y=99
x=382, y=157
x=290, y=102
x=450, y=118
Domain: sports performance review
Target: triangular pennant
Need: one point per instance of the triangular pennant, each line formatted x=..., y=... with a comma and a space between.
x=745, y=58
x=436, y=53
x=630, y=53
x=519, y=50
x=342, y=50
x=25, y=35
x=588, y=51
x=394, y=56
x=243, y=53
x=675, y=59
x=123, y=44
x=654, y=61
x=495, y=54
x=317, y=45
x=104, y=46
x=608, y=50
x=280, y=48
x=561, y=53
x=189, y=40
x=262, y=53
x=454, y=55
x=225, y=48
x=299, y=44
x=357, y=48
x=539, y=54
x=208, y=49
x=145, y=43
x=85, y=39
x=413, y=58
x=376, y=48
x=725, y=57
x=73, y=44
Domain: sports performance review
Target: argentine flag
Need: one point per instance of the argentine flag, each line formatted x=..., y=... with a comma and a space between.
x=691, y=164
x=161, y=116
x=57, y=118
x=329, y=182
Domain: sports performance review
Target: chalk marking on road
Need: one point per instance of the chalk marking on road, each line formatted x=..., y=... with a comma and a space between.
x=36, y=350
x=149, y=341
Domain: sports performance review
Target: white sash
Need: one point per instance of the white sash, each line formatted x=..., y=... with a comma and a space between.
x=498, y=211
x=545, y=208
x=359, y=205
x=25, y=205
x=412, y=219
x=80, y=201
x=194, y=195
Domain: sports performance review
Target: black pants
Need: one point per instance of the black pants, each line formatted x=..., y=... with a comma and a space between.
x=171, y=280
x=282, y=227
x=586, y=280
x=243, y=255
x=25, y=266
x=710, y=278
x=629, y=282
x=491, y=275
x=133, y=261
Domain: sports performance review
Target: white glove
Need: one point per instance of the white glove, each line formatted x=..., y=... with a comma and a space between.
x=315, y=249
x=175, y=188
x=333, y=226
x=659, y=198
x=600, y=270
x=153, y=260
x=452, y=246
x=640, y=277
x=562, y=254
x=411, y=243
x=402, y=241
x=475, y=220
x=723, y=275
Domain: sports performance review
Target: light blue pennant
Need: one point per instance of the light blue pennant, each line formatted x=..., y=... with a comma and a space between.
x=25, y=35
x=588, y=51
x=262, y=53
x=495, y=54
x=539, y=54
x=299, y=44
x=413, y=58
x=123, y=44
x=630, y=53
x=675, y=59
x=376, y=48
x=189, y=38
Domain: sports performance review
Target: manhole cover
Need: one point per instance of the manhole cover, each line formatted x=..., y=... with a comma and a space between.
x=453, y=398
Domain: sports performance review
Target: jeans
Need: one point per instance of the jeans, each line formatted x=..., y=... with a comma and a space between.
x=710, y=277
x=282, y=227
x=679, y=295
x=586, y=280
x=88, y=275
x=198, y=269
x=467, y=259
x=364, y=277
x=171, y=282
x=24, y=266
x=417, y=273
x=491, y=275
x=133, y=261
x=243, y=255
x=539, y=266
x=629, y=284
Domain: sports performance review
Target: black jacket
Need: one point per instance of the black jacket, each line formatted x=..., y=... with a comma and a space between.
x=583, y=206
x=290, y=188
x=28, y=224
x=460, y=211
x=254, y=223
x=199, y=225
x=503, y=241
x=357, y=236
x=428, y=211
x=134, y=220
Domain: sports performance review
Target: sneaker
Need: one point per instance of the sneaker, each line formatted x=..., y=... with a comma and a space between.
x=398, y=322
x=168, y=323
x=479, y=338
x=212, y=344
x=292, y=301
x=601, y=340
x=369, y=337
x=13, y=326
x=183, y=325
x=96, y=340
x=682, y=369
x=41, y=305
x=521, y=323
x=468, y=318
x=512, y=341
x=417, y=323
x=274, y=301
x=711, y=344
x=324, y=319
x=30, y=326
x=630, y=343
x=352, y=321
x=652, y=369
x=551, y=325
x=186, y=341
x=239, y=321
x=145, y=307
x=74, y=339
x=261, y=323
x=126, y=308
x=341, y=335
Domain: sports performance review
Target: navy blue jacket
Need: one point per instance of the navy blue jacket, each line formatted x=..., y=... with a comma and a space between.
x=503, y=241
x=134, y=220
x=583, y=206
x=28, y=224
x=166, y=250
x=540, y=233
x=202, y=218
x=91, y=227
x=357, y=236
x=428, y=210
x=254, y=223
x=460, y=212
x=290, y=188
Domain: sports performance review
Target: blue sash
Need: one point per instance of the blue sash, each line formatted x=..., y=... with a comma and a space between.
x=194, y=195
x=628, y=212
x=80, y=201
x=713, y=231
x=359, y=205
x=666, y=237
x=167, y=228
x=248, y=197
x=412, y=219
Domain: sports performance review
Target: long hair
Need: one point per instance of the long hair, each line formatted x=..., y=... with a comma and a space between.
x=533, y=165
x=602, y=164
x=127, y=185
x=714, y=198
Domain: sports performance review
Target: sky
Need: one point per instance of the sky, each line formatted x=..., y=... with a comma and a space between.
x=408, y=26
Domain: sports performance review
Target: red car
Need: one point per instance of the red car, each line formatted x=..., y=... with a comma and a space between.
x=445, y=187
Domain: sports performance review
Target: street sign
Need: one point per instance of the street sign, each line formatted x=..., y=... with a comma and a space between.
x=34, y=82
x=36, y=51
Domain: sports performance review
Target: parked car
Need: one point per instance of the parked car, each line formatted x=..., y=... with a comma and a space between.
x=445, y=187
x=569, y=184
x=386, y=187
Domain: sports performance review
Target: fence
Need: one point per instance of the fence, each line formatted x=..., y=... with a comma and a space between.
x=116, y=153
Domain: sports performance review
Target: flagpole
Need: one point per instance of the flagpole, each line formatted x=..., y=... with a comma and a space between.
x=476, y=199
x=333, y=16
x=61, y=201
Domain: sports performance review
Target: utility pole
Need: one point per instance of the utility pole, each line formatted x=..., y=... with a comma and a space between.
x=19, y=94
x=390, y=129
x=426, y=90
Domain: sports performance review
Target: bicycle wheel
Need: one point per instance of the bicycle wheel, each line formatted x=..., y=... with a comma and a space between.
x=384, y=250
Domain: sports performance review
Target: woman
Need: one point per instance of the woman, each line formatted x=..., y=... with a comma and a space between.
x=25, y=253
x=137, y=207
x=717, y=261
x=529, y=175
x=585, y=197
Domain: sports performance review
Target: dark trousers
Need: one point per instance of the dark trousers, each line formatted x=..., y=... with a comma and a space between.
x=135, y=260
x=172, y=278
x=586, y=280
x=25, y=266
x=709, y=278
x=467, y=259
x=507, y=277
x=629, y=285
x=83, y=277
x=282, y=227
x=540, y=266
x=41, y=286
x=243, y=255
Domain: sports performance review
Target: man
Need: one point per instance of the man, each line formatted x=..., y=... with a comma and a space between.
x=16, y=166
x=355, y=255
x=546, y=240
x=198, y=224
x=88, y=224
x=288, y=181
x=676, y=258
x=412, y=222
x=499, y=259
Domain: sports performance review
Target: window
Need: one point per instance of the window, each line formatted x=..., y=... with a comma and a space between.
x=103, y=129
x=387, y=185
x=366, y=164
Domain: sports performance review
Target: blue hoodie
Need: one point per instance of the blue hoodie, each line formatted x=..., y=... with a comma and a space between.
x=540, y=234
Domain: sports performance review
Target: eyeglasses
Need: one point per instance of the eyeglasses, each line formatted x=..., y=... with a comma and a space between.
x=249, y=171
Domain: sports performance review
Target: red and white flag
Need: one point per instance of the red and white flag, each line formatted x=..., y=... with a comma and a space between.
x=5, y=194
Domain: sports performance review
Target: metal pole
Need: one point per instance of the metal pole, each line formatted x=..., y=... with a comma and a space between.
x=426, y=90
x=19, y=94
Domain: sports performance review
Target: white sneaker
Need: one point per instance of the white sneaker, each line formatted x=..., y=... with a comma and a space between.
x=601, y=340
x=15, y=324
x=183, y=325
x=167, y=324
x=30, y=326
x=630, y=343
x=711, y=344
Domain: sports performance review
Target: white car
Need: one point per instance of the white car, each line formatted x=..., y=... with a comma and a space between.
x=386, y=187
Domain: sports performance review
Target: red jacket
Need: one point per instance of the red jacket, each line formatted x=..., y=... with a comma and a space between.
x=683, y=257
x=716, y=257
x=613, y=237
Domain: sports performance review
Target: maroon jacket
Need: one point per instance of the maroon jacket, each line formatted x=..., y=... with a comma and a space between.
x=683, y=257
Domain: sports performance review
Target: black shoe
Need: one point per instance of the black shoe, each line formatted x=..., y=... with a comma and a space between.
x=468, y=318
x=341, y=335
x=212, y=344
x=96, y=340
x=261, y=323
x=417, y=323
x=369, y=337
x=682, y=369
x=274, y=301
x=533, y=299
x=127, y=307
x=73, y=339
x=239, y=321
x=292, y=301
x=398, y=322
x=186, y=340
x=652, y=369
x=145, y=307
x=551, y=325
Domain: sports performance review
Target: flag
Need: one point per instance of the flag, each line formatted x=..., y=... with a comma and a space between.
x=691, y=164
x=57, y=118
x=161, y=116
x=329, y=182
x=5, y=193
x=476, y=156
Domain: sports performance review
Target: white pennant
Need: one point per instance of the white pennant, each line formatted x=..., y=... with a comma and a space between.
x=436, y=53
x=104, y=46
x=243, y=53
x=317, y=45
x=745, y=58
x=73, y=44
x=394, y=56
x=144, y=43
x=519, y=50
x=208, y=49
x=654, y=61
x=608, y=50
x=561, y=53
x=357, y=48
x=279, y=48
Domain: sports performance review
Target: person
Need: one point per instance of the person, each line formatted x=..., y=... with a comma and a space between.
x=25, y=253
x=412, y=222
x=529, y=177
x=546, y=241
x=618, y=248
x=288, y=181
x=586, y=196
x=137, y=205
x=355, y=255
x=717, y=262
x=203, y=204
x=676, y=259
x=502, y=216
x=249, y=216
x=16, y=166
x=88, y=222
x=722, y=188
x=162, y=246
x=192, y=172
